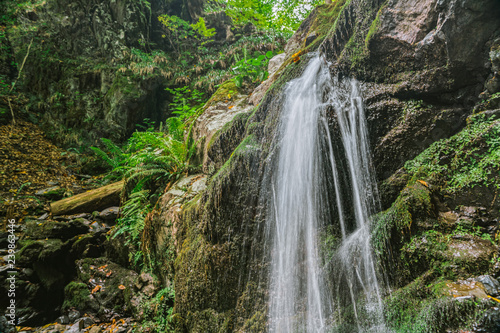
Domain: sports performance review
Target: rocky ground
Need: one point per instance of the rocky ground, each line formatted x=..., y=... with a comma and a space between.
x=61, y=265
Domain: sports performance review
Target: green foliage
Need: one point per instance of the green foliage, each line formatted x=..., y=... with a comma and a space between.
x=473, y=157
x=165, y=300
x=134, y=212
x=151, y=158
x=186, y=103
x=201, y=29
x=252, y=70
x=283, y=15
x=177, y=30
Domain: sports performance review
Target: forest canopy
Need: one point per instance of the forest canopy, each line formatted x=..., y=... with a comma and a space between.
x=284, y=15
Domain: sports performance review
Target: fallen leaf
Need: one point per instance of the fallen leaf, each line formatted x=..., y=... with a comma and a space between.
x=423, y=183
x=96, y=289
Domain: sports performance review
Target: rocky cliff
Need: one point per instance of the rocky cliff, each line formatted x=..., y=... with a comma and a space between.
x=428, y=72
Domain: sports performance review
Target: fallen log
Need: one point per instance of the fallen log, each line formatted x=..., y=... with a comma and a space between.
x=90, y=201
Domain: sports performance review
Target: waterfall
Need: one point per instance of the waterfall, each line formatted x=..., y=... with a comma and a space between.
x=312, y=184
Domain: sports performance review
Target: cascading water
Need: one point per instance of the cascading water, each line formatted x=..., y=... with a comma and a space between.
x=307, y=196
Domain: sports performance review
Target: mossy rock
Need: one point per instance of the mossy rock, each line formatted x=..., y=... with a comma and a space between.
x=116, y=284
x=422, y=307
x=55, y=229
x=77, y=296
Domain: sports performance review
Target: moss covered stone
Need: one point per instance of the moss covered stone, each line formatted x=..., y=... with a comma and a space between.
x=76, y=295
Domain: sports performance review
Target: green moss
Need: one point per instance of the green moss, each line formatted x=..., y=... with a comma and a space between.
x=422, y=307
x=374, y=26
x=413, y=202
x=472, y=157
x=322, y=24
x=225, y=92
x=76, y=295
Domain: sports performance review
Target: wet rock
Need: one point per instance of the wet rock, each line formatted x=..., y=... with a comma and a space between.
x=97, y=227
x=52, y=193
x=75, y=328
x=77, y=296
x=64, y=320
x=73, y=315
x=466, y=288
x=471, y=249
x=95, y=329
x=80, y=216
x=220, y=110
x=110, y=214
x=61, y=218
x=5, y=327
x=490, y=321
x=310, y=38
x=448, y=218
x=491, y=285
x=109, y=284
x=275, y=63
x=85, y=322
x=89, y=246
x=55, y=229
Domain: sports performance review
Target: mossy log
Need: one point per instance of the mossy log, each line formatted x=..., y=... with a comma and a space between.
x=97, y=199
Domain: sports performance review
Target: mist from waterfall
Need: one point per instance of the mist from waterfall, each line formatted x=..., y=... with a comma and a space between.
x=314, y=183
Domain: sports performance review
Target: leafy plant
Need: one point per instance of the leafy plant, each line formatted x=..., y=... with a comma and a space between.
x=252, y=70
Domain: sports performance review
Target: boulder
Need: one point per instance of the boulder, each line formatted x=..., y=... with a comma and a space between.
x=490, y=284
x=110, y=214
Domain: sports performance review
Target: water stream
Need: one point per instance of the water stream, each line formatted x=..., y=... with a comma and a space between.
x=316, y=182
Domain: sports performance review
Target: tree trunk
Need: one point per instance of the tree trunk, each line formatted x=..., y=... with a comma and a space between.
x=98, y=199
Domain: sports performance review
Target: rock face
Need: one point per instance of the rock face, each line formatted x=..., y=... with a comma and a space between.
x=422, y=66
x=72, y=67
x=422, y=59
x=78, y=87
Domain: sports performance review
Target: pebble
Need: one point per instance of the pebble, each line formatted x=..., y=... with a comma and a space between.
x=73, y=315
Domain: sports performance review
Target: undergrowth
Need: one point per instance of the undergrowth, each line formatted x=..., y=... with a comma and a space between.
x=149, y=161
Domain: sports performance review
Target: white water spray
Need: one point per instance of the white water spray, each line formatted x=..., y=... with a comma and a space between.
x=300, y=299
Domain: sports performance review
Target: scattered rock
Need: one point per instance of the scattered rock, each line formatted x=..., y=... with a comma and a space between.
x=110, y=214
x=64, y=320
x=491, y=285
x=95, y=329
x=55, y=229
x=85, y=322
x=80, y=216
x=52, y=193
x=73, y=315
x=75, y=328
x=96, y=227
